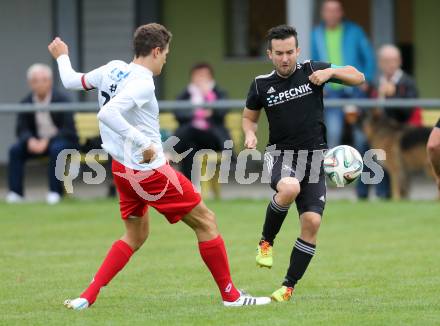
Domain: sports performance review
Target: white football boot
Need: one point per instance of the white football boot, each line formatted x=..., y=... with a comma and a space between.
x=247, y=300
x=13, y=198
x=76, y=304
x=53, y=198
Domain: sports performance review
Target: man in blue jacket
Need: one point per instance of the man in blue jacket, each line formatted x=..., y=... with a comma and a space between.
x=342, y=43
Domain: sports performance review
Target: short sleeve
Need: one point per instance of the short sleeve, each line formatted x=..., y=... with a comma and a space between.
x=253, y=98
x=93, y=78
x=319, y=65
x=141, y=91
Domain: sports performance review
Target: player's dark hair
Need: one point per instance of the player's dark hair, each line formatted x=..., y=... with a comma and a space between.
x=148, y=37
x=202, y=65
x=281, y=32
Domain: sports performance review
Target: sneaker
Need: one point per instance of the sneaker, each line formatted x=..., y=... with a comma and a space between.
x=264, y=254
x=13, y=198
x=283, y=294
x=247, y=300
x=76, y=304
x=53, y=198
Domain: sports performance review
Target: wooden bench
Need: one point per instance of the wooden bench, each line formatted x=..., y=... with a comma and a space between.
x=430, y=117
x=232, y=122
x=86, y=126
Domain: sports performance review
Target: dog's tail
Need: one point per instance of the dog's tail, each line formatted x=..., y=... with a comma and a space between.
x=414, y=137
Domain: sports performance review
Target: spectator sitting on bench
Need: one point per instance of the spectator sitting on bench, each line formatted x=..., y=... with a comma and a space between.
x=200, y=128
x=40, y=133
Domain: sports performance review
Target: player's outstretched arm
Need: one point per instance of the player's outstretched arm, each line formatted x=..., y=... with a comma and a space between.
x=69, y=77
x=346, y=75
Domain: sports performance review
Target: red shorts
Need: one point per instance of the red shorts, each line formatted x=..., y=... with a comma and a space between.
x=165, y=189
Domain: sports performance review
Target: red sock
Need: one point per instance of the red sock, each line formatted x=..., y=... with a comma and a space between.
x=117, y=257
x=214, y=255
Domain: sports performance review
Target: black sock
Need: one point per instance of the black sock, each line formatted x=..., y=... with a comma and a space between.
x=302, y=254
x=275, y=215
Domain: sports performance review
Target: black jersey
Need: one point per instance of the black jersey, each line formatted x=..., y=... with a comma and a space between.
x=294, y=107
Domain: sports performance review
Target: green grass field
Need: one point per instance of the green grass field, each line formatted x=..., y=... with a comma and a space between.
x=376, y=264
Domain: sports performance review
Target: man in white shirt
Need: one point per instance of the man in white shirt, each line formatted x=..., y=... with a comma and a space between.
x=129, y=127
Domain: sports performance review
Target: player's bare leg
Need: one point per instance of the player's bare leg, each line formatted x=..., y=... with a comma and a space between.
x=288, y=189
x=310, y=223
x=202, y=220
x=213, y=252
x=136, y=232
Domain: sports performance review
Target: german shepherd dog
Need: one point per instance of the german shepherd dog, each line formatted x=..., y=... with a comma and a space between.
x=405, y=148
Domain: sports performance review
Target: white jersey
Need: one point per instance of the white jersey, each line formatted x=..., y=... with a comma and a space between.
x=129, y=88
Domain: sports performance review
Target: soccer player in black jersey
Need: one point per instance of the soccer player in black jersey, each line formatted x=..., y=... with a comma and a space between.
x=292, y=97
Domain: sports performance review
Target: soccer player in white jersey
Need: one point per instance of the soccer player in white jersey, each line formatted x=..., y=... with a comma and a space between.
x=129, y=127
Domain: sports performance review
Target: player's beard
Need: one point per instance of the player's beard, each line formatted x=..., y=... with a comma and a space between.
x=284, y=71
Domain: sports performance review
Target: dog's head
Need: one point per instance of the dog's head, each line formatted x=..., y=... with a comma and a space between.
x=372, y=122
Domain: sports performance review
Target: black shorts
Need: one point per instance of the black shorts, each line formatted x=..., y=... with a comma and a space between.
x=305, y=166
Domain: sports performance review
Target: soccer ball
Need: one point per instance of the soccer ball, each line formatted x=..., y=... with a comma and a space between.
x=343, y=164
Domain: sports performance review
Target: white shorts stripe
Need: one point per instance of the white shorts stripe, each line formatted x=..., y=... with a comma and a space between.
x=269, y=161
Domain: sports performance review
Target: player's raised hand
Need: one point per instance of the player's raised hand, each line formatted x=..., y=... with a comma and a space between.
x=250, y=141
x=319, y=77
x=57, y=47
x=148, y=155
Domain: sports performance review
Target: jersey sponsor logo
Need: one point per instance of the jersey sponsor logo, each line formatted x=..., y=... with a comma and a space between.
x=291, y=94
x=117, y=74
x=271, y=90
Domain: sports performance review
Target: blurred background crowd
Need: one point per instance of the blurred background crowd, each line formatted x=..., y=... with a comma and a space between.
x=217, y=48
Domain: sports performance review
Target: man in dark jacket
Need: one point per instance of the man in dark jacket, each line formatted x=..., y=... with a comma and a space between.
x=200, y=128
x=394, y=83
x=40, y=133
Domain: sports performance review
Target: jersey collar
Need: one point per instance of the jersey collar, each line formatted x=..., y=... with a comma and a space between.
x=142, y=69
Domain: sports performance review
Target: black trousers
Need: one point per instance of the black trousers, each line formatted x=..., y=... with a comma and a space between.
x=197, y=139
x=18, y=155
